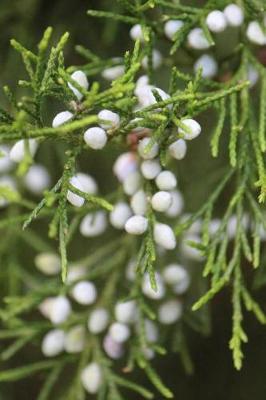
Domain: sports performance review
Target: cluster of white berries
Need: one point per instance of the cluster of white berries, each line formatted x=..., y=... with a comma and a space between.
x=217, y=21
x=58, y=309
x=115, y=331
x=95, y=137
x=133, y=170
x=130, y=173
x=65, y=116
x=166, y=200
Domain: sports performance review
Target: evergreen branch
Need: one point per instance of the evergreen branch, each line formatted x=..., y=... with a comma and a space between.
x=252, y=305
x=234, y=130
x=114, y=16
x=219, y=128
x=132, y=386
x=238, y=335
x=41, y=205
x=15, y=374
x=262, y=116
x=63, y=230
x=50, y=382
x=155, y=379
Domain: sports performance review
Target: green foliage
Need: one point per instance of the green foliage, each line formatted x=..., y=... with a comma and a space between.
x=225, y=257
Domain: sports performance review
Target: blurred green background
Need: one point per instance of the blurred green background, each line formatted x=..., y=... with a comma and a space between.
x=214, y=376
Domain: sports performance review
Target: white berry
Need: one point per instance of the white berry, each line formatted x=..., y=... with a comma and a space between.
x=84, y=293
x=8, y=182
x=53, y=343
x=151, y=331
x=93, y=224
x=178, y=149
x=119, y=332
x=125, y=312
x=120, y=214
x=216, y=21
x=60, y=309
x=88, y=183
x=5, y=161
x=61, y=118
x=124, y=165
x=136, y=33
x=81, y=79
x=166, y=180
x=146, y=97
x=139, y=203
x=131, y=270
x=164, y=236
x=95, y=138
x=149, y=291
x=177, y=205
x=98, y=320
x=252, y=75
x=148, y=149
x=170, y=312
x=189, y=251
x=45, y=307
x=131, y=183
x=176, y=276
x=75, y=339
x=197, y=40
x=234, y=15
x=112, y=348
x=193, y=129
x=111, y=119
x=161, y=201
x=75, y=273
x=48, y=263
x=156, y=60
x=143, y=80
x=171, y=27
x=136, y=225
x=73, y=198
x=112, y=73
x=150, y=169
x=18, y=151
x=91, y=378
x=208, y=66
x=255, y=33
x=37, y=179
